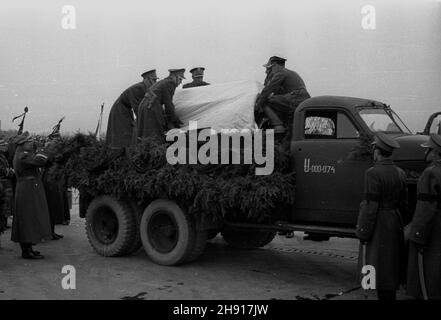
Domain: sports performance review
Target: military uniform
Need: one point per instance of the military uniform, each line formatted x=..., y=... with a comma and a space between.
x=380, y=224
x=56, y=196
x=425, y=230
x=196, y=73
x=31, y=222
x=121, y=121
x=283, y=92
x=153, y=119
x=288, y=91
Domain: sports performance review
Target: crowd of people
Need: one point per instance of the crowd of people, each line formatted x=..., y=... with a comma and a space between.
x=35, y=203
x=401, y=254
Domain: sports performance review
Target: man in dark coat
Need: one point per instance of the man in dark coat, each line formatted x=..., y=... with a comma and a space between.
x=380, y=226
x=56, y=193
x=425, y=229
x=283, y=92
x=157, y=111
x=198, y=78
x=121, y=120
x=31, y=222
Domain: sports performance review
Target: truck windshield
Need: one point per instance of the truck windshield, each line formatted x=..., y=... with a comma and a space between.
x=384, y=120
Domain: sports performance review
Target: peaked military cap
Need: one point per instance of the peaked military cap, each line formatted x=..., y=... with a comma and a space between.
x=274, y=59
x=178, y=72
x=433, y=143
x=150, y=74
x=384, y=142
x=197, y=72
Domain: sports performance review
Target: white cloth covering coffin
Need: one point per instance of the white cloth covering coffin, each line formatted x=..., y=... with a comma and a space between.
x=218, y=106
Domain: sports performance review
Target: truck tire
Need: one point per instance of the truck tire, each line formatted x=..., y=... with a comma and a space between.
x=111, y=226
x=169, y=235
x=247, y=239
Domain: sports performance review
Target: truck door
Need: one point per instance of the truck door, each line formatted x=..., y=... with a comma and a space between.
x=329, y=172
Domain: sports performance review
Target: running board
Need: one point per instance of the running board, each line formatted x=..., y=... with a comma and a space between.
x=281, y=226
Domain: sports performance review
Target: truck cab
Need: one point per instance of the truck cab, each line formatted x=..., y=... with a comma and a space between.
x=330, y=153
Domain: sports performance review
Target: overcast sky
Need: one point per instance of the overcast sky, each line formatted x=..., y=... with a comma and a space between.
x=59, y=72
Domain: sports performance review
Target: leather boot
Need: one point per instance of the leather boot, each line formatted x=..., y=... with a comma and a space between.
x=28, y=253
x=274, y=119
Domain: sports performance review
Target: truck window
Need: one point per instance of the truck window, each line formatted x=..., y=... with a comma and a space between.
x=385, y=120
x=435, y=128
x=319, y=127
x=329, y=125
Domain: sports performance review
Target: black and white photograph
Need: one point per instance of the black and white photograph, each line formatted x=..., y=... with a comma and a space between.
x=222, y=156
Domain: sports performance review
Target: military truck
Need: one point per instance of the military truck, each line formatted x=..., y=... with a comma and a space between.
x=325, y=138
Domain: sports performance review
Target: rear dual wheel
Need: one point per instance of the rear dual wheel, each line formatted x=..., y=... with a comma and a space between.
x=169, y=234
x=112, y=227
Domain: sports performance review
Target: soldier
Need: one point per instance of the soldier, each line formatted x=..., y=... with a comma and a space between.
x=153, y=120
x=121, y=121
x=198, y=78
x=380, y=227
x=31, y=222
x=424, y=268
x=56, y=193
x=282, y=94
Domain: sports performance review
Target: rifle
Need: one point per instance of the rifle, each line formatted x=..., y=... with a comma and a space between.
x=98, y=126
x=22, y=116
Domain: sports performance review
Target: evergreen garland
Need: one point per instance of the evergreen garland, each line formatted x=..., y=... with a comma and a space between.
x=142, y=173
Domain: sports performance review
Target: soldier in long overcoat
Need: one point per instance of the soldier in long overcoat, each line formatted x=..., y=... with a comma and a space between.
x=31, y=222
x=121, y=120
x=157, y=112
x=56, y=193
x=425, y=229
x=197, y=75
x=282, y=93
x=380, y=226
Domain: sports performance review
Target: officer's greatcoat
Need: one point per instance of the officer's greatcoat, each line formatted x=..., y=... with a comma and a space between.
x=57, y=201
x=154, y=119
x=288, y=90
x=380, y=223
x=426, y=232
x=121, y=121
x=31, y=221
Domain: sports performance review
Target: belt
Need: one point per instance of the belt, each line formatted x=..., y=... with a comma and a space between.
x=26, y=178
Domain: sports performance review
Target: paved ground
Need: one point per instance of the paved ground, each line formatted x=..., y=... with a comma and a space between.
x=285, y=269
